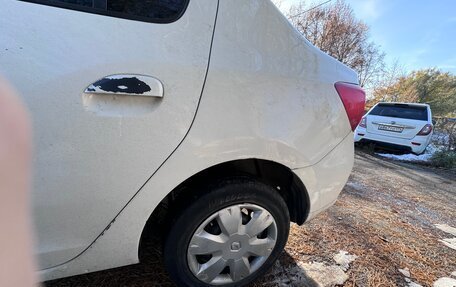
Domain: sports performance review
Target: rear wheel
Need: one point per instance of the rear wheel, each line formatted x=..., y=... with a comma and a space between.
x=230, y=236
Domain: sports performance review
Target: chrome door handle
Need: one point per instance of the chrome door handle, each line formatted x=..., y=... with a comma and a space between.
x=127, y=85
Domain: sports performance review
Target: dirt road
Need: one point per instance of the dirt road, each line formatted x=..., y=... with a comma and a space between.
x=386, y=217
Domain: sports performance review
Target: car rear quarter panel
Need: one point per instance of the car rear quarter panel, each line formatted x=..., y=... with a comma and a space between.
x=269, y=88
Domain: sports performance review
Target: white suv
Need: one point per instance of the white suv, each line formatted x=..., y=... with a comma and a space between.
x=213, y=117
x=402, y=126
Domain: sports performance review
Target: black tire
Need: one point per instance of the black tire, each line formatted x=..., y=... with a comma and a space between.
x=225, y=193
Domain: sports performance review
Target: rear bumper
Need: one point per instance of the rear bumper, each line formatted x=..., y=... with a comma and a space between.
x=325, y=180
x=416, y=145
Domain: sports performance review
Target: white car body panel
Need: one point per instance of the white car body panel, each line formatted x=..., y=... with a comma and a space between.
x=269, y=94
x=408, y=138
x=78, y=173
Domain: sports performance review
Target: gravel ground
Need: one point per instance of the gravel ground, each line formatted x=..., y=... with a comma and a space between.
x=386, y=217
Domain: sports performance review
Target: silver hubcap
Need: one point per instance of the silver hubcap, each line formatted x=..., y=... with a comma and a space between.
x=232, y=244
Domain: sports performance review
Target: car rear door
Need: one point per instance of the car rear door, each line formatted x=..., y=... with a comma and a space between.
x=112, y=87
x=397, y=120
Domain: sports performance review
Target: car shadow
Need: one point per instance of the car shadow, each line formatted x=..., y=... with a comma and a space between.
x=151, y=272
x=286, y=272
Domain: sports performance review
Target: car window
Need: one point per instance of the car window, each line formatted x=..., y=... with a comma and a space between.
x=157, y=11
x=85, y=3
x=401, y=111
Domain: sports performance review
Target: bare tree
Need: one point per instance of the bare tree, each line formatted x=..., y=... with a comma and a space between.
x=382, y=87
x=334, y=29
x=370, y=66
x=390, y=74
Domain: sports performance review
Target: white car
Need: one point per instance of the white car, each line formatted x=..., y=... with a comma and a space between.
x=214, y=118
x=399, y=126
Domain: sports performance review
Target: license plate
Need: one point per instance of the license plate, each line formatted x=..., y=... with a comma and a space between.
x=390, y=128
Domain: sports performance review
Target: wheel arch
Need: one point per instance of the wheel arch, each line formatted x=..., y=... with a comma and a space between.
x=282, y=178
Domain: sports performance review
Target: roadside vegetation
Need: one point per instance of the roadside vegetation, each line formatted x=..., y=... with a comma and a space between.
x=445, y=137
x=446, y=159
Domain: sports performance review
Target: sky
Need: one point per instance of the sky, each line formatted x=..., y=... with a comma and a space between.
x=418, y=34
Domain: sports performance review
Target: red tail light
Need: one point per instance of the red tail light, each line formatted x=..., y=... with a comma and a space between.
x=354, y=99
x=427, y=129
x=363, y=123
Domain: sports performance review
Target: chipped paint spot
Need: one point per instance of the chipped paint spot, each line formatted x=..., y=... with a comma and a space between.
x=130, y=85
x=127, y=84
